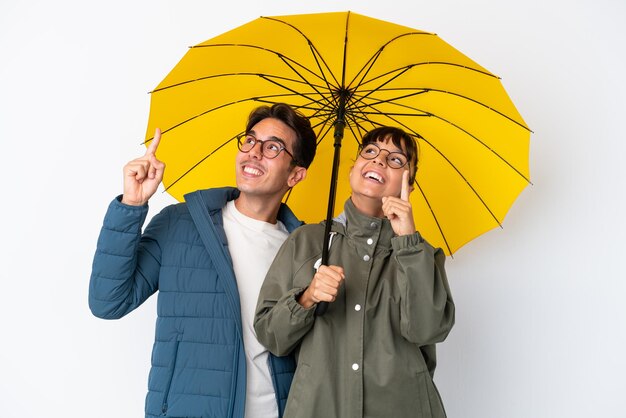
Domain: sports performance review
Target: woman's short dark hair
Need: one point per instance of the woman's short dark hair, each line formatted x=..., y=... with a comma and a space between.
x=400, y=139
x=306, y=142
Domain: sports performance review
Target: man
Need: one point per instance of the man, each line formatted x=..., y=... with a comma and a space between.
x=207, y=257
x=373, y=353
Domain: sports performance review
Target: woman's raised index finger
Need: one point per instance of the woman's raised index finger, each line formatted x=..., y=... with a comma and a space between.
x=154, y=144
x=404, y=193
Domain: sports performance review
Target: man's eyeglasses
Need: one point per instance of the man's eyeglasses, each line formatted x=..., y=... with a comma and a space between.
x=270, y=148
x=394, y=159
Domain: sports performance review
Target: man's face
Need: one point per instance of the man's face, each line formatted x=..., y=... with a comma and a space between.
x=374, y=178
x=260, y=176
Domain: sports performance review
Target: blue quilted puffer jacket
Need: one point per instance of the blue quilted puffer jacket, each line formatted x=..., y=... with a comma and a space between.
x=198, y=360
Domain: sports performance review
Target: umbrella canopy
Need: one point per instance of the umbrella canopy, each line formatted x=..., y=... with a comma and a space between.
x=349, y=73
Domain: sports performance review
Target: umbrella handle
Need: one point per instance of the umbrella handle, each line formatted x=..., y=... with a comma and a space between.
x=321, y=307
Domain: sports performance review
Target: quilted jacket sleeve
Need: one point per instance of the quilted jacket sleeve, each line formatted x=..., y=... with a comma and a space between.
x=426, y=306
x=125, y=270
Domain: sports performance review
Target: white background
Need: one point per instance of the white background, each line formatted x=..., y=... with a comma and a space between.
x=540, y=304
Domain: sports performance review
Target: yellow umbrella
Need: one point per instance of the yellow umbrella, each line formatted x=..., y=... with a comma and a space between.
x=345, y=70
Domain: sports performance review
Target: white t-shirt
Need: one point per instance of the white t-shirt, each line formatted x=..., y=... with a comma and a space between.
x=253, y=245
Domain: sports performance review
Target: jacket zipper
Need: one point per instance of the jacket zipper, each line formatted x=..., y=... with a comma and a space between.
x=171, y=377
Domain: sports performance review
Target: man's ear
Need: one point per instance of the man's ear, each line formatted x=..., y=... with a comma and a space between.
x=297, y=175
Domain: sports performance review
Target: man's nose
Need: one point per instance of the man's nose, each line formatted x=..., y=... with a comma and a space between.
x=257, y=150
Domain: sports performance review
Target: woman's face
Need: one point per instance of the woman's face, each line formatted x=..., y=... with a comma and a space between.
x=374, y=178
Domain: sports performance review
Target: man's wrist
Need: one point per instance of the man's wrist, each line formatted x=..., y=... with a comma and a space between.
x=131, y=203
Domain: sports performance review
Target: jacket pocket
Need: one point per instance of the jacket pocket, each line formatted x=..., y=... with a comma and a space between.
x=170, y=377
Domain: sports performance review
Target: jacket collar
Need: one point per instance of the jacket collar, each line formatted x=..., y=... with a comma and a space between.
x=216, y=199
x=358, y=226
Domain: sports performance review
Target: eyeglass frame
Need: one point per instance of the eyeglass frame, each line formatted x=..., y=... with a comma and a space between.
x=281, y=144
x=389, y=153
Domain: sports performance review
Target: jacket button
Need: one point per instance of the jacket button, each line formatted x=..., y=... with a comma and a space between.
x=366, y=257
x=370, y=241
x=355, y=367
x=357, y=307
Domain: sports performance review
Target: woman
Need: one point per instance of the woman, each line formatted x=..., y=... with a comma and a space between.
x=372, y=354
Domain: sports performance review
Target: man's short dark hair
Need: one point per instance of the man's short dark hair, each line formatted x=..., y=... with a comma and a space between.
x=306, y=141
x=398, y=137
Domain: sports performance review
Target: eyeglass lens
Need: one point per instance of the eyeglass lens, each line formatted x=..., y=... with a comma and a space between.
x=269, y=148
x=394, y=159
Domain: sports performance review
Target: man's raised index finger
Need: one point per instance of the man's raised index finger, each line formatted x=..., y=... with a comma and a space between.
x=154, y=144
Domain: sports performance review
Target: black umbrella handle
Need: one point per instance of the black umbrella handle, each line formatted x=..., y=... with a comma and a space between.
x=322, y=307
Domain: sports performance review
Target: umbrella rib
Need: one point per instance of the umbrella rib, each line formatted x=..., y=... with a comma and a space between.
x=208, y=77
x=288, y=195
x=355, y=117
x=432, y=212
x=443, y=235
x=288, y=62
x=419, y=64
x=316, y=110
x=218, y=148
x=366, y=69
x=322, y=104
x=222, y=145
x=256, y=98
x=304, y=80
x=324, y=126
x=269, y=78
x=282, y=57
x=345, y=51
x=314, y=50
x=424, y=113
x=465, y=131
x=422, y=90
x=200, y=162
x=317, y=114
x=308, y=106
x=372, y=60
x=361, y=129
x=402, y=70
x=451, y=165
x=319, y=59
